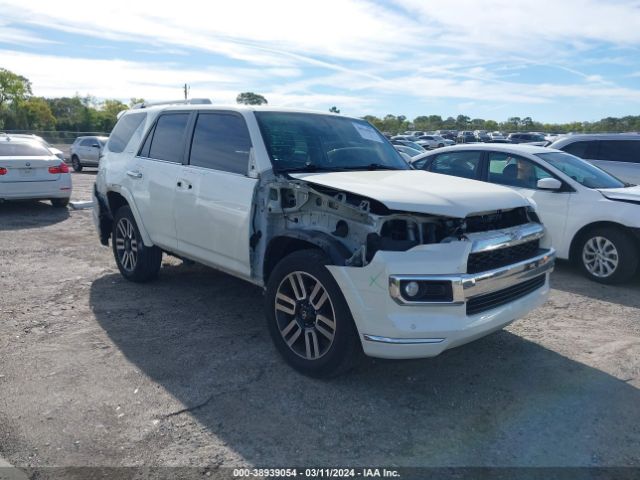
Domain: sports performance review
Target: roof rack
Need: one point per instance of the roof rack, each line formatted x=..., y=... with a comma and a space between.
x=190, y=101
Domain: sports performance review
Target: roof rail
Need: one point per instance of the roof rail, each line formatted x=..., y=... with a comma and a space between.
x=191, y=101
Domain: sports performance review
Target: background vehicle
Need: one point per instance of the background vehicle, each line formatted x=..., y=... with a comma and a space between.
x=466, y=137
x=496, y=136
x=618, y=154
x=57, y=152
x=29, y=171
x=312, y=207
x=594, y=218
x=530, y=138
x=482, y=136
x=412, y=152
x=85, y=152
x=407, y=143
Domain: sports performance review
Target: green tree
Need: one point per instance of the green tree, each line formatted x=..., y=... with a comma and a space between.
x=334, y=109
x=462, y=122
x=250, y=98
x=13, y=87
x=133, y=101
x=37, y=114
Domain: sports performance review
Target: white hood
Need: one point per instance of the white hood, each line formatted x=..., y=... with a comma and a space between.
x=630, y=193
x=421, y=192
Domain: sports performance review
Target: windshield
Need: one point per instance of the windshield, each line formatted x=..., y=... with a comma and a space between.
x=581, y=171
x=32, y=149
x=312, y=142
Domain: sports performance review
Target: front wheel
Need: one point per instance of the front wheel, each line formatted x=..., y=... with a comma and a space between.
x=135, y=261
x=75, y=163
x=608, y=255
x=308, y=318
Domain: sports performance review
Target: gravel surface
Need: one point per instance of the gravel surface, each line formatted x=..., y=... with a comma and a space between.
x=98, y=371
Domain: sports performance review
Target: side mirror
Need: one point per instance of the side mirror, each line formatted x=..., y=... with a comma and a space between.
x=549, y=184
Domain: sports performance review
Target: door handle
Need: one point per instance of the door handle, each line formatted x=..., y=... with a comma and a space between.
x=185, y=183
x=134, y=174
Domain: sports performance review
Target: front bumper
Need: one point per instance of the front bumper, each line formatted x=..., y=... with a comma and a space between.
x=390, y=328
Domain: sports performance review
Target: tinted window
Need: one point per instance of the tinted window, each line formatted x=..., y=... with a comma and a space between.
x=8, y=149
x=123, y=131
x=620, y=150
x=168, y=137
x=459, y=164
x=581, y=149
x=221, y=142
x=87, y=142
x=515, y=171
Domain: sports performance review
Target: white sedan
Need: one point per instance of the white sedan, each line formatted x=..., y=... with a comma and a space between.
x=593, y=218
x=30, y=171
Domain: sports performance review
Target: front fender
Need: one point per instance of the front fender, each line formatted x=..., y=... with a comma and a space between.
x=146, y=239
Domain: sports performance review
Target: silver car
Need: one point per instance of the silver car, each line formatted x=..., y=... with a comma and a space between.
x=85, y=152
x=30, y=171
x=617, y=153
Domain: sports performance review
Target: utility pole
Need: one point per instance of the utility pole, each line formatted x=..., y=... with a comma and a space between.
x=186, y=91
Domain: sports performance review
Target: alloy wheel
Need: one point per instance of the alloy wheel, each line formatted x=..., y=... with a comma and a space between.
x=126, y=244
x=600, y=257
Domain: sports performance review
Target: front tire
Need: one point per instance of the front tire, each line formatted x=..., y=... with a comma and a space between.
x=308, y=318
x=135, y=261
x=607, y=255
x=75, y=163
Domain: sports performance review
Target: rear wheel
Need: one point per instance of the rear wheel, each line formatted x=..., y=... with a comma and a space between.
x=607, y=255
x=308, y=318
x=135, y=261
x=75, y=163
x=60, y=202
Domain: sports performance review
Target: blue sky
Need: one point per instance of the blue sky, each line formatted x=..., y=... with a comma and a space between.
x=554, y=61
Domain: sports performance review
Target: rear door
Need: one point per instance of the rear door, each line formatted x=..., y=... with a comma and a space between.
x=154, y=176
x=214, y=194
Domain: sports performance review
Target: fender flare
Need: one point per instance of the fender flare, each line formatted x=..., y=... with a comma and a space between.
x=146, y=239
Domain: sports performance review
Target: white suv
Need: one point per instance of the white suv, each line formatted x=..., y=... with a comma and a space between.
x=355, y=250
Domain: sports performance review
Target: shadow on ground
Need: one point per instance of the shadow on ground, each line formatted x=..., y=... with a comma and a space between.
x=30, y=214
x=502, y=400
x=568, y=278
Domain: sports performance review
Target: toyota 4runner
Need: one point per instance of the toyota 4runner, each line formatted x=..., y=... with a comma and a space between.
x=355, y=250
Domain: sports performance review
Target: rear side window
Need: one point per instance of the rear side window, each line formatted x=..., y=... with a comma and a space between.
x=123, y=131
x=168, y=137
x=620, y=151
x=582, y=149
x=459, y=164
x=221, y=142
x=87, y=142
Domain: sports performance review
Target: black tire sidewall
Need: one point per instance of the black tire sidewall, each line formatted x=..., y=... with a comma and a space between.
x=75, y=163
x=627, y=254
x=148, y=258
x=344, y=350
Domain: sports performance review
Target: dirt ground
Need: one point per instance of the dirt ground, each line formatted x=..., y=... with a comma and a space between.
x=98, y=371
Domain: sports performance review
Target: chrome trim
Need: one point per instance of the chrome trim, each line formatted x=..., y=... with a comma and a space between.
x=468, y=285
x=401, y=341
x=507, y=237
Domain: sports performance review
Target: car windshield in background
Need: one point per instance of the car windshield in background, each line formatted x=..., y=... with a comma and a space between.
x=9, y=149
x=311, y=142
x=581, y=171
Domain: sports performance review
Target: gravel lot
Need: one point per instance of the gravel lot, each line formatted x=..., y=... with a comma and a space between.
x=98, y=371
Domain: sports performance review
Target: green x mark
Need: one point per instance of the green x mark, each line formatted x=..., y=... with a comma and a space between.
x=374, y=281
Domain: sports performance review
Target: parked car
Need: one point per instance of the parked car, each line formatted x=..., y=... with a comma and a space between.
x=85, y=152
x=56, y=151
x=355, y=249
x=30, y=171
x=618, y=154
x=429, y=142
x=530, y=138
x=466, y=137
x=436, y=140
x=496, y=136
x=482, y=136
x=407, y=143
x=593, y=218
x=412, y=152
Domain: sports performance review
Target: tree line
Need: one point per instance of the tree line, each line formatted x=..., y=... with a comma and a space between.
x=21, y=110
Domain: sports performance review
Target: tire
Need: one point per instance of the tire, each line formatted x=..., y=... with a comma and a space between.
x=607, y=255
x=60, y=202
x=298, y=310
x=75, y=163
x=135, y=261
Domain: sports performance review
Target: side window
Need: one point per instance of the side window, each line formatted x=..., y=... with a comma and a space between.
x=515, y=171
x=220, y=142
x=123, y=131
x=168, y=137
x=582, y=149
x=459, y=164
x=620, y=150
x=87, y=142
